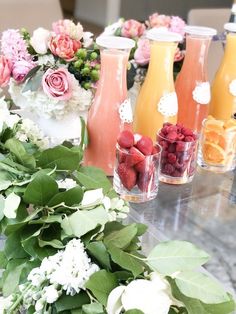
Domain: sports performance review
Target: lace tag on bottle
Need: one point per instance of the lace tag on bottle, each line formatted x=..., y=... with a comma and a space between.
x=125, y=111
x=168, y=105
x=202, y=93
x=232, y=88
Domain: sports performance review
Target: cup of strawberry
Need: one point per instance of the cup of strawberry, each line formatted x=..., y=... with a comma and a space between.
x=178, y=160
x=137, y=165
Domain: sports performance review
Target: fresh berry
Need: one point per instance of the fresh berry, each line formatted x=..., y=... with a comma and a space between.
x=180, y=147
x=176, y=173
x=155, y=150
x=145, y=145
x=141, y=166
x=189, y=139
x=145, y=182
x=187, y=132
x=172, y=135
x=169, y=169
x=164, y=144
x=171, y=148
x=134, y=157
x=122, y=156
x=171, y=158
x=128, y=176
x=172, y=128
x=180, y=137
x=126, y=139
x=167, y=124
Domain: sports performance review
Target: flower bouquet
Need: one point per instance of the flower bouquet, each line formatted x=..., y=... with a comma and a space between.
x=67, y=249
x=51, y=76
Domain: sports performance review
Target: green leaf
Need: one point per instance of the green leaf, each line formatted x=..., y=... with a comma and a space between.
x=126, y=261
x=40, y=190
x=3, y=260
x=101, y=284
x=93, y=308
x=5, y=180
x=172, y=256
x=199, y=286
x=121, y=238
x=61, y=157
x=67, y=302
x=34, y=82
x=16, y=148
x=13, y=247
x=32, y=72
x=134, y=312
x=70, y=197
x=2, y=206
x=93, y=178
x=141, y=229
x=98, y=250
x=84, y=221
x=54, y=243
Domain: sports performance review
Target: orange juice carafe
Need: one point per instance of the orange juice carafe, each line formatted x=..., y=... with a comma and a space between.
x=192, y=86
x=111, y=111
x=223, y=100
x=157, y=101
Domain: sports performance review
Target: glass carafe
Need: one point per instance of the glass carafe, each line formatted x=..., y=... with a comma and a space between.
x=157, y=101
x=223, y=100
x=111, y=111
x=192, y=86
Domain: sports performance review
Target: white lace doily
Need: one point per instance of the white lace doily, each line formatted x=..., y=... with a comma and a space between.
x=202, y=93
x=125, y=111
x=168, y=105
x=232, y=88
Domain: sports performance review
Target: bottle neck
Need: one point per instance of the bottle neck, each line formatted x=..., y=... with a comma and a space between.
x=161, y=60
x=230, y=49
x=114, y=71
x=196, y=56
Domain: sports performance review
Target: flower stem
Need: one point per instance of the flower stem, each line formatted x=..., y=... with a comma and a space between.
x=19, y=299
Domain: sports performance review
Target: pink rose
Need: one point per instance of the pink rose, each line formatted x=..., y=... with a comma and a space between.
x=5, y=71
x=177, y=25
x=67, y=27
x=21, y=69
x=132, y=29
x=156, y=20
x=57, y=84
x=142, y=53
x=64, y=47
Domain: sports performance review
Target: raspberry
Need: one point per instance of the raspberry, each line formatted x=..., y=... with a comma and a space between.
x=172, y=136
x=172, y=128
x=167, y=124
x=189, y=139
x=180, y=147
x=163, y=144
x=171, y=148
x=125, y=139
x=169, y=169
x=187, y=132
x=180, y=137
x=171, y=158
x=176, y=173
x=164, y=153
x=145, y=145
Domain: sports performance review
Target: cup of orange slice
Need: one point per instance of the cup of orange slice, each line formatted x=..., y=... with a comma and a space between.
x=218, y=145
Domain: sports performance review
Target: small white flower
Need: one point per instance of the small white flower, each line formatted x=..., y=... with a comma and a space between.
x=111, y=29
x=39, y=305
x=5, y=304
x=46, y=60
x=36, y=277
x=51, y=294
x=39, y=40
x=87, y=39
x=66, y=183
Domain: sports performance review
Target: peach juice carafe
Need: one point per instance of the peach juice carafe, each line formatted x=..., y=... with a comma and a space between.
x=157, y=101
x=192, y=86
x=223, y=101
x=111, y=111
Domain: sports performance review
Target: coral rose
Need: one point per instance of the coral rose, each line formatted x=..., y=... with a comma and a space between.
x=64, y=47
x=67, y=27
x=21, y=69
x=57, y=84
x=5, y=70
x=132, y=29
x=142, y=53
x=156, y=20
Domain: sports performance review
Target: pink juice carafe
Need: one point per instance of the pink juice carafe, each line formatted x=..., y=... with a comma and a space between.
x=192, y=86
x=111, y=111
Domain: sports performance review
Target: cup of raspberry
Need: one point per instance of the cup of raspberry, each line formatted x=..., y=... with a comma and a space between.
x=178, y=161
x=137, y=166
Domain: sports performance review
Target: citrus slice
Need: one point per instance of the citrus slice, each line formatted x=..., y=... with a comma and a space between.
x=230, y=125
x=215, y=125
x=213, y=153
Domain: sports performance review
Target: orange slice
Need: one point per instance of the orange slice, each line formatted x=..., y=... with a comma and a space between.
x=213, y=153
x=215, y=125
x=230, y=125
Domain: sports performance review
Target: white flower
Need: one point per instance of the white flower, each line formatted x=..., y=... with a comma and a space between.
x=114, y=304
x=36, y=276
x=5, y=115
x=39, y=305
x=51, y=294
x=111, y=29
x=39, y=40
x=5, y=304
x=46, y=60
x=87, y=39
x=66, y=183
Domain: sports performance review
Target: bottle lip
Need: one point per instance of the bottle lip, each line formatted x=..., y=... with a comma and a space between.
x=200, y=30
x=163, y=35
x=233, y=10
x=115, y=42
x=230, y=27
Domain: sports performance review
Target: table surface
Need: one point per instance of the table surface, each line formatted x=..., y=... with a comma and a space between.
x=203, y=212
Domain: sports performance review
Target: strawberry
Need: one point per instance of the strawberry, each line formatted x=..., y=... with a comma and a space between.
x=134, y=157
x=125, y=139
x=145, y=145
x=128, y=176
x=122, y=156
x=145, y=182
x=140, y=166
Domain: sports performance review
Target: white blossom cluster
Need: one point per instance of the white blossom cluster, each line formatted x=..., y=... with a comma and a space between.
x=67, y=270
x=38, y=102
x=6, y=117
x=5, y=304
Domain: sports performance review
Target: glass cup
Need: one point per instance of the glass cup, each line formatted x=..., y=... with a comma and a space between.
x=217, y=150
x=178, y=161
x=139, y=182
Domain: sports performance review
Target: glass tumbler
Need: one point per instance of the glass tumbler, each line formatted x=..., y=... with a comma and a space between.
x=136, y=182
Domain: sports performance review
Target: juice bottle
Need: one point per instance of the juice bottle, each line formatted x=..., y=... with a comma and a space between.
x=223, y=101
x=192, y=86
x=111, y=111
x=157, y=100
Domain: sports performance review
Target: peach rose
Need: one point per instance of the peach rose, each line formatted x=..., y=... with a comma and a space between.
x=156, y=20
x=142, y=53
x=64, y=47
x=5, y=71
x=57, y=84
x=132, y=29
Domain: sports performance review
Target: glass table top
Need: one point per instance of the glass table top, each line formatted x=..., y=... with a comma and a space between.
x=203, y=212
